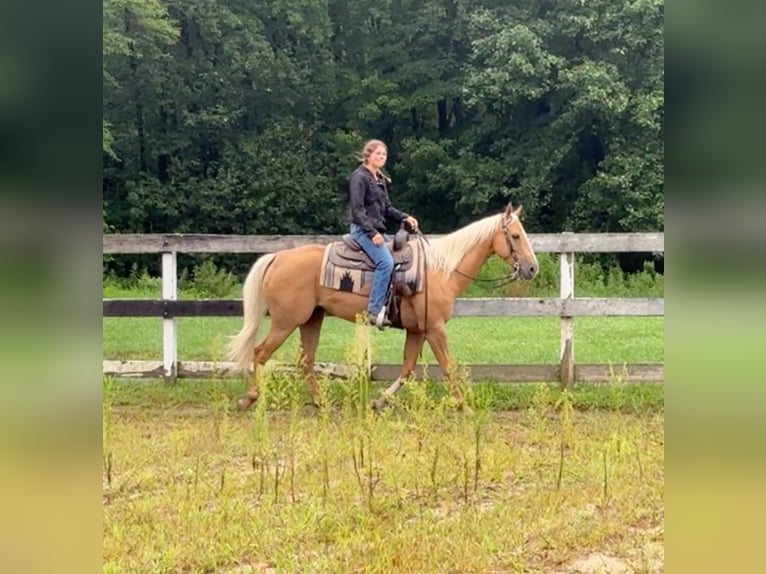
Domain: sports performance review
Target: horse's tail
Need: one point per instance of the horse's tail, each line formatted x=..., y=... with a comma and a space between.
x=242, y=344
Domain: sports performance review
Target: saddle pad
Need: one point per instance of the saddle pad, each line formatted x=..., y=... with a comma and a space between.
x=352, y=271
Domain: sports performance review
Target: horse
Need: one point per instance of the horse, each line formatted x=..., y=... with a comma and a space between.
x=287, y=285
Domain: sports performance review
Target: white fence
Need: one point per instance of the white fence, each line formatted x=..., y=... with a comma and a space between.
x=567, y=306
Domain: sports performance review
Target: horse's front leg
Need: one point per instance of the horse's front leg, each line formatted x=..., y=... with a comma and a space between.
x=309, y=341
x=437, y=340
x=412, y=346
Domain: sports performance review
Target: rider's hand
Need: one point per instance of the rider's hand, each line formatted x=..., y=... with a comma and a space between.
x=412, y=222
x=377, y=239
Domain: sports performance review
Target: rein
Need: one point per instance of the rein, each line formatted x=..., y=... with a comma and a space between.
x=422, y=238
x=493, y=282
x=505, y=279
x=496, y=281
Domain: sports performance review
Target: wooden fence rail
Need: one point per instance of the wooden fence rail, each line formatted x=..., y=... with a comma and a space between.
x=201, y=243
x=566, y=306
x=474, y=307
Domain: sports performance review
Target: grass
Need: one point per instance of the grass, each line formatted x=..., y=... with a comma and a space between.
x=191, y=487
x=535, y=479
x=205, y=280
x=615, y=340
x=535, y=340
x=200, y=394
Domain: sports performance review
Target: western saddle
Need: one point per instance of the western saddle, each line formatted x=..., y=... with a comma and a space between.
x=348, y=253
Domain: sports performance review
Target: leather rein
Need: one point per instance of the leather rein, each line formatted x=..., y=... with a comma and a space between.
x=505, y=279
x=495, y=281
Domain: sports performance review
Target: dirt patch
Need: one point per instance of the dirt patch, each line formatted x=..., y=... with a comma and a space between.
x=649, y=558
x=596, y=563
x=260, y=568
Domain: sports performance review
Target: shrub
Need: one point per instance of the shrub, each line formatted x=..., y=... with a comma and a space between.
x=210, y=282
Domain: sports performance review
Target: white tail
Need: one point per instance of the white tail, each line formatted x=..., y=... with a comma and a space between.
x=242, y=344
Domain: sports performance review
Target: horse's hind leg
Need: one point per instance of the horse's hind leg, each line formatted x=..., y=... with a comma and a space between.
x=310, y=331
x=261, y=354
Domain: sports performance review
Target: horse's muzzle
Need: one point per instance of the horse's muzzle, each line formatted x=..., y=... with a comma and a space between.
x=527, y=270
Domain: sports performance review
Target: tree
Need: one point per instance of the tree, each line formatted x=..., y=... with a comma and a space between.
x=237, y=116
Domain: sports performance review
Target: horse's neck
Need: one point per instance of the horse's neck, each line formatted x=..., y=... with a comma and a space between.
x=469, y=267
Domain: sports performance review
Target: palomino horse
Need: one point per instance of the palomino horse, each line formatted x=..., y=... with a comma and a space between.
x=286, y=284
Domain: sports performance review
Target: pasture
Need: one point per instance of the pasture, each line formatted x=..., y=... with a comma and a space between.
x=614, y=340
x=190, y=486
x=534, y=480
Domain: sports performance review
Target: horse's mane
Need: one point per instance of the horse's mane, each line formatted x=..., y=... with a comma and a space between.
x=446, y=252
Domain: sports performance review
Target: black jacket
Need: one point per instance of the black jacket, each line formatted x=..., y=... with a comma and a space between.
x=369, y=205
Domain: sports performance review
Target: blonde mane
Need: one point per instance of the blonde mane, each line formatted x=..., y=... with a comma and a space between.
x=445, y=253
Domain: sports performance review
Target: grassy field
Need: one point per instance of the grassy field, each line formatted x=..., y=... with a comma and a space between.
x=191, y=487
x=610, y=340
x=615, y=340
x=534, y=479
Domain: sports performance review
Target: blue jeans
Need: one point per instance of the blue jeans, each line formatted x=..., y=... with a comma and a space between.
x=384, y=266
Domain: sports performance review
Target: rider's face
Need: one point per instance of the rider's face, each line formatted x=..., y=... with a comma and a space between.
x=378, y=157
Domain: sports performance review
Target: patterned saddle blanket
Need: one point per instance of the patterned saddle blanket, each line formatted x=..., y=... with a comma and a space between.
x=345, y=267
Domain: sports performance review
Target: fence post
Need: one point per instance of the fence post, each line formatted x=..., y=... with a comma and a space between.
x=566, y=354
x=169, y=293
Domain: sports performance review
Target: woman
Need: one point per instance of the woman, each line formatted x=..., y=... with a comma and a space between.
x=369, y=210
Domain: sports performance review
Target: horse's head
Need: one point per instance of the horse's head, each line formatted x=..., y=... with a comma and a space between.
x=511, y=243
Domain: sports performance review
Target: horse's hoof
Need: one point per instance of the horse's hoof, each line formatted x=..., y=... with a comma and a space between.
x=244, y=404
x=465, y=409
x=378, y=405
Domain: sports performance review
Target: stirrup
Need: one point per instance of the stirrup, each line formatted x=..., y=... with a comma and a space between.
x=381, y=320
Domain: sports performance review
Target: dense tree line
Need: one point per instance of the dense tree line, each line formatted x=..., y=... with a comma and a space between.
x=245, y=116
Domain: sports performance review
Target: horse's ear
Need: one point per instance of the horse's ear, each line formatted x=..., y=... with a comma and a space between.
x=516, y=211
x=509, y=210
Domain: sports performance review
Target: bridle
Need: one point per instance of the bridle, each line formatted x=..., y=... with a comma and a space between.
x=505, y=279
x=496, y=281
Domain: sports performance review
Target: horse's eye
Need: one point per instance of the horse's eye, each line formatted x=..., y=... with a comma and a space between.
x=515, y=235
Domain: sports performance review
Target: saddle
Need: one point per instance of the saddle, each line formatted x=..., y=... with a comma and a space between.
x=348, y=253
x=345, y=267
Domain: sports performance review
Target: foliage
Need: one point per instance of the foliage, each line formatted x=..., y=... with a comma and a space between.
x=245, y=117
x=209, y=282
x=137, y=284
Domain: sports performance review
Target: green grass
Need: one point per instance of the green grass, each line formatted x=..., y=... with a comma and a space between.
x=565, y=476
x=615, y=340
x=201, y=393
x=207, y=281
x=535, y=340
x=419, y=489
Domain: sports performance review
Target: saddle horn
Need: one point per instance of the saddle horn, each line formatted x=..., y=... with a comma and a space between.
x=401, y=237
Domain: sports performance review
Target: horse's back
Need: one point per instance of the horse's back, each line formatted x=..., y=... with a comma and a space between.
x=291, y=255
x=298, y=261
x=290, y=284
